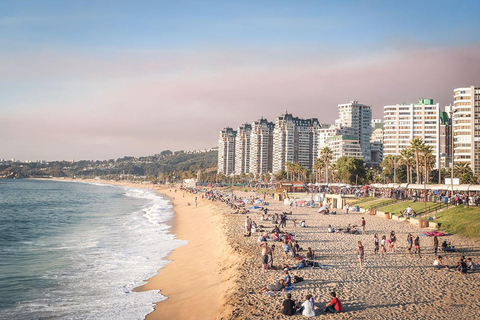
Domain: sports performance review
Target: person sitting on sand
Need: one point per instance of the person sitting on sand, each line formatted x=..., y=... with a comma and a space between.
x=461, y=267
x=335, y=306
x=438, y=263
x=296, y=248
x=330, y=229
x=289, y=306
x=470, y=265
x=262, y=238
x=310, y=254
x=303, y=224
x=279, y=286
x=286, y=249
x=307, y=309
x=287, y=279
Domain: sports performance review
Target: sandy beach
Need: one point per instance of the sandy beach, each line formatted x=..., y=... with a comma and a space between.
x=397, y=286
x=197, y=277
x=218, y=275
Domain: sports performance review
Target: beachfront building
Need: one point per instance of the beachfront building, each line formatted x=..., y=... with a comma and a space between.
x=226, y=151
x=376, y=141
x=325, y=131
x=355, y=120
x=294, y=140
x=261, y=147
x=344, y=146
x=404, y=122
x=466, y=126
x=242, y=149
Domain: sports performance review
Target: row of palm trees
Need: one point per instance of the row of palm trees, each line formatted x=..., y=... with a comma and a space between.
x=418, y=155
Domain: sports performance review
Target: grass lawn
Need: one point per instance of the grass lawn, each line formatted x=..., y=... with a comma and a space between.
x=374, y=203
x=460, y=220
x=397, y=207
x=359, y=202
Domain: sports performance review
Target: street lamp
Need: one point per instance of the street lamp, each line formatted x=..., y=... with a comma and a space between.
x=452, y=112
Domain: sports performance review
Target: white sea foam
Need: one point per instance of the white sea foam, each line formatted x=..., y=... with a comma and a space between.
x=107, y=259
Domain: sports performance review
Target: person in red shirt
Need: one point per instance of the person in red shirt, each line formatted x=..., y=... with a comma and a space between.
x=335, y=306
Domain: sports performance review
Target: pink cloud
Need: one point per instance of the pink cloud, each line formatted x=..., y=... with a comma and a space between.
x=140, y=104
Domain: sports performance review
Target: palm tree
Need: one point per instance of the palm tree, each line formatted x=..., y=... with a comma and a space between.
x=408, y=160
x=427, y=156
x=388, y=165
x=318, y=165
x=289, y=168
x=416, y=146
x=326, y=155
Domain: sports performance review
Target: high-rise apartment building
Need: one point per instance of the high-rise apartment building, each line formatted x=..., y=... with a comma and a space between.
x=325, y=132
x=242, y=149
x=344, y=146
x=261, y=147
x=376, y=141
x=404, y=122
x=294, y=140
x=355, y=120
x=466, y=126
x=226, y=151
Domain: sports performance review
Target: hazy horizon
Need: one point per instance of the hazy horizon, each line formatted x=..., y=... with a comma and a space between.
x=102, y=80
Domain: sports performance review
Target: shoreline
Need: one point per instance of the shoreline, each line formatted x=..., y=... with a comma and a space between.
x=203, y=272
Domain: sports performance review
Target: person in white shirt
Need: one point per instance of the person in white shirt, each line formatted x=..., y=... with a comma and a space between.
x=307, y=307
x=438, y=263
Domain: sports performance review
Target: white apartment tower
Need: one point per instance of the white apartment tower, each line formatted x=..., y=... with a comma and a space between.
x=242, y=149
x=261, y=147
x=404, y=122
x=226, y=151
x=355, y=120
x=325, y=131
x=344, y=146
x=466, y=126
x=294, y=140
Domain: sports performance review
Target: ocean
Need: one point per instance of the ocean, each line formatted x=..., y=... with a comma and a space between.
x=71, y=250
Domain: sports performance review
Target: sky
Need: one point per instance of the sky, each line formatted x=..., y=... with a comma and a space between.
x=105, y=79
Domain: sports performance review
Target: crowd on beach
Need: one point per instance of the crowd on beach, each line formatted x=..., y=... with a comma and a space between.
x=275, y=239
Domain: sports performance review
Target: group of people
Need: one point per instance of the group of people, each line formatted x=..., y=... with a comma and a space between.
x=463, y=265
x=307, y=307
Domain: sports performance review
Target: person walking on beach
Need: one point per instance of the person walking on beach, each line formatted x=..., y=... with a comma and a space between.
x=377, y=243
x=265, y=251
x=196, y=203
x=363, y=225
x=383, y=250
x=248, y=226
x=393, y=240
x=417, y=246
x=409, y=243
x=360, y=251
x=347, y=207
x=270, y=256
x=435, y=244
x=283, y=221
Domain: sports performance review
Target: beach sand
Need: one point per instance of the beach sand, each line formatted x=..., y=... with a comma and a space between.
x=397, y=286
x=218, y=275
x=198, y=274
